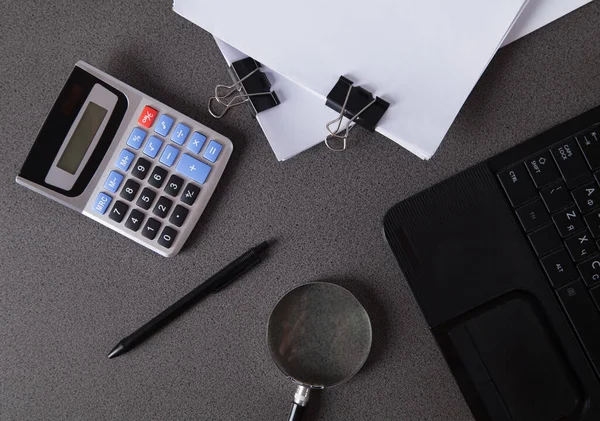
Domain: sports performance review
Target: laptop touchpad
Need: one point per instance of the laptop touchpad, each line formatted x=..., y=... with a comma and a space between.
x=518, y=358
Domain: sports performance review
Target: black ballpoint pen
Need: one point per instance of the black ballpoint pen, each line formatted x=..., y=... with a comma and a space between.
x=213, y=284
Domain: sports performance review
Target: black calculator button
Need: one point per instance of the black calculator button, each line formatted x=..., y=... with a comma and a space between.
x=118, y=211
x=162, y=207
x=189, y=194
x=581, y=246
x=134, y=220
x=157, y=178
x=151, y=228
x=517, y=184
x=590, y=270
x=167, y=236
x=568, y=221
x=129, y=190
x=559, y=267
x=556, y=197
x=174, y=185
x=542, y=169
x=141, y=168
x=570, y=162
x=146, y=198
x=545, y=240
x=533, y=215
x=587, y=197
x=178, y=216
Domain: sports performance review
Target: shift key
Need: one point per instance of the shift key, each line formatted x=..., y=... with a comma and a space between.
x=571, y=162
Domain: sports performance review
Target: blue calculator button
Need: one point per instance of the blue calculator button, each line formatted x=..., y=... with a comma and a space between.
x=124, y=160
x=196, y=142
x=169, y=155
x=180, y=133
x=113, y=181
x=136, y=138
x=164, y=125
x=212, y=151
x=192, y=168
x=152, y=147
x=102, y=202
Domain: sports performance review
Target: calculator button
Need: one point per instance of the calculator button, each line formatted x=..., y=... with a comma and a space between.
x=533, y=215
x=517, y=184
x=136, y=138
x=556, y=197
x=590, y=270
x=152, y=146
x=147, y=116
x=142, y=166
x=587, y=197
x=163, y=125
x=568, y=221
x=146, y=198
x=113, y=181
x=189, y=194
x=118, y=211
x=192, y=168
x=570, y=162
x=102, y=202
x=157, y=177
x=167, y=237
x=151, y=228
x=135, y=219
x=212, y=151
x=162, y=207
x=180, y=133
x=581, y=246
x=124, y=160
x=542, y=169
x=178, y=216
x=196, y=142
x=174, y=185
x=129, y=190
x=559, y=267
x=169, y=155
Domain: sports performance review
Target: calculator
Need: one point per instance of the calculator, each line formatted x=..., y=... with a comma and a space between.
x=126, y=160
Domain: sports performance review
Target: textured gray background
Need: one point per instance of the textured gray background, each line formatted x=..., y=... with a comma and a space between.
x=71, y=288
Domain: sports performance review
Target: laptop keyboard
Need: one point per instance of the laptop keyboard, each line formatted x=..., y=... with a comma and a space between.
x=555, y=195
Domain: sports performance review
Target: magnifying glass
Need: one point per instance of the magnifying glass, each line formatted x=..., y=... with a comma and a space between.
x=319, y=335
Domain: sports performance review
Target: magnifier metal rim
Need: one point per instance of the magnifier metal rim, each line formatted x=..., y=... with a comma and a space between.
x=359, y=366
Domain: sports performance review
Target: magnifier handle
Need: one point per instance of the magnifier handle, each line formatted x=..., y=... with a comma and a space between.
x=296, y=412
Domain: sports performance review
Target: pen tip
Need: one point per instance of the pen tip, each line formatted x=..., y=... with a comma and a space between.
x=117, y=350
x=261, y=247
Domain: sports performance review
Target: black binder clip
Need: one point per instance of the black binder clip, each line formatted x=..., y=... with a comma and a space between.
x=357, y=105
x=250, y=86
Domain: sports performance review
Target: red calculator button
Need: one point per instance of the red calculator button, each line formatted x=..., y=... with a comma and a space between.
x=147, y=117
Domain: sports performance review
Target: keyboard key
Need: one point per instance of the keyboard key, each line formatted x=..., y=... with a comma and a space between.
x=192, y=168
x=196, y=142
x=584, y=318
x=568, y=221
x=542, y=169
x=178, y=216
x=129, y=190
x=124, y=160
x=118, y=211
x=590, y=270
x=147, y=116
x=113, y=181
x=146, y=198
x=174, y=185
x=545, y=240
x=180, y=133
x=590, y=145
x=556, y=197
x=157, y=178
x=189, y=194
x=101, y=203
x=517, y=184
x=162, y=207
x=142, y=166
x=212, y=151
x=595, y=292
x=163, y=125
x=167, y=237
x=152, y=146
x=570, y=162
x=169, y=155
x=135, y=219
x=136, y=138
x=592, y=220
x=587, y=197
x=533, y=215
x=151, y=228
x=581, y=246
x=559, y=268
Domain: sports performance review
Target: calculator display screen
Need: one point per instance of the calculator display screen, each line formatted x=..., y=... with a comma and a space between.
x=82, y=137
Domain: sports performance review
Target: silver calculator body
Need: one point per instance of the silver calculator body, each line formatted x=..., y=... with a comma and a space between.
x=126, y=160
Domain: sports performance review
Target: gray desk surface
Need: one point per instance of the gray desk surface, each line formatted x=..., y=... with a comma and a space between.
x=71, y=288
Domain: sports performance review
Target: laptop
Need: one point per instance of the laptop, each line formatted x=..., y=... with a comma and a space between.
x=504, y=262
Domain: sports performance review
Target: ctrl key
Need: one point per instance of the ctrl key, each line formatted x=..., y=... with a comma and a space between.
x=101, y=203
